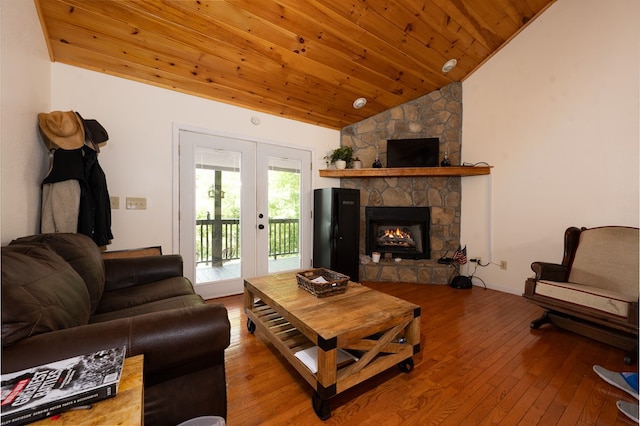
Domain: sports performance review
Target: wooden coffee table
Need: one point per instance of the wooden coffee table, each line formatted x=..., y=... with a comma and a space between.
x=382, y=330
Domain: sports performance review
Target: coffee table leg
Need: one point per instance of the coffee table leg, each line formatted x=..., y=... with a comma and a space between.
x=321, y=406
x=251, y=326
x=249, y=303
x=406, y=366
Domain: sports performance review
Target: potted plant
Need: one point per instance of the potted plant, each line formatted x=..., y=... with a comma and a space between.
x=342, y=157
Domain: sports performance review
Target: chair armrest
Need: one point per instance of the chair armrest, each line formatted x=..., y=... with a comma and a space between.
x=550, y=271
x=130, y=272
x=182, y=337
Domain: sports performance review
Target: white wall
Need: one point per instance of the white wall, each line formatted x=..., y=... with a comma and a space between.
x=137, y=159
x=556, y=113
x=25, y=90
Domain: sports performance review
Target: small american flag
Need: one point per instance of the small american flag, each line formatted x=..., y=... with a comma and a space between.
x=460, y=255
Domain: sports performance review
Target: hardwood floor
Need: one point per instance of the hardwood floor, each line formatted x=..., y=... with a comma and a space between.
x=479, y=364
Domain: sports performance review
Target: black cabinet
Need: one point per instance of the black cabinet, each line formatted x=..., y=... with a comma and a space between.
x=336, y=230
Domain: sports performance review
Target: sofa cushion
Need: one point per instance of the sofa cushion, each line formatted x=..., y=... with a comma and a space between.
x=607, y=258
x=40, y=293
x=129, y=297
x=604, y=300
x=81, y=252
x=147, y=308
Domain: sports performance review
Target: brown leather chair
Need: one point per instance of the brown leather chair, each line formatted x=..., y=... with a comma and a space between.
x=60, y=299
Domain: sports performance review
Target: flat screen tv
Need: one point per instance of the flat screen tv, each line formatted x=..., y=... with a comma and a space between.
x=423, y=152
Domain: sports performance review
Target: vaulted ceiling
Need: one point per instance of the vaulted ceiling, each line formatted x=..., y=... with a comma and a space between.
x=302, y=59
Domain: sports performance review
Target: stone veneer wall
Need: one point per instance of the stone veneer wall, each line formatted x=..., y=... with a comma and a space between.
x=438, y=114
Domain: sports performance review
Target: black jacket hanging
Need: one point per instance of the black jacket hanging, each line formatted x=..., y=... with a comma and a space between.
x=96, y=220
x=94, y=217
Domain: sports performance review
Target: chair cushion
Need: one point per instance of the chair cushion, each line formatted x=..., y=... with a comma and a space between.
x=607, y=258
x=609, y=301
x=41, y=292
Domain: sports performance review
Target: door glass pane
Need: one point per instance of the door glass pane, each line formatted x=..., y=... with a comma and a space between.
x=284, y=183
x=218, y=251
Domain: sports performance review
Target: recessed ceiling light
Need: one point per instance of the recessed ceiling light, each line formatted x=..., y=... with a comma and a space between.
x=449, y=65
x=359, y=103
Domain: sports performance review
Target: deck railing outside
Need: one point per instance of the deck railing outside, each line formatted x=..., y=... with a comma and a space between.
x=218, y=241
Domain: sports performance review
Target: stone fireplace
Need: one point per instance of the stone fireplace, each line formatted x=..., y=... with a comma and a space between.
x=438, y=114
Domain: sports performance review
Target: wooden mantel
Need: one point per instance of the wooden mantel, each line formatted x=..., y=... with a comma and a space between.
x=407, y=172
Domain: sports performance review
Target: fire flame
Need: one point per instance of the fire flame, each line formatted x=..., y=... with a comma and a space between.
x=397, y=234
x=396, y=238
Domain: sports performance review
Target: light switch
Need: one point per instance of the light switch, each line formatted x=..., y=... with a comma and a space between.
x=136, y=203
x=115, y=202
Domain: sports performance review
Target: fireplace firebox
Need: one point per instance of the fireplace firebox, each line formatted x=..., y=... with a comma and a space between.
x=401, y=231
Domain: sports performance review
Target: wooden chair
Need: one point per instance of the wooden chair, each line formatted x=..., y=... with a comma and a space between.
x=594, y=291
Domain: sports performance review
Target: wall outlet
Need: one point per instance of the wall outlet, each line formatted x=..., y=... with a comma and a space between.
x=115, y=202
x=503, y=264
x=136, y=203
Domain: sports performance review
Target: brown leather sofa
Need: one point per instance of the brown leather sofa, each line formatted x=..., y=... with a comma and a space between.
x=60, y=299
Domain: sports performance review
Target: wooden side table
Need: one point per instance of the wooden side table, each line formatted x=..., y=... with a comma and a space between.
x=126, y=408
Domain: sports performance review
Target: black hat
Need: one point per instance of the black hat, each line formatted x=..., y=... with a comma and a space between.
x=94, y=133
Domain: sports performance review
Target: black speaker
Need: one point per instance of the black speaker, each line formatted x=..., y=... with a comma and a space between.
x=461, y=282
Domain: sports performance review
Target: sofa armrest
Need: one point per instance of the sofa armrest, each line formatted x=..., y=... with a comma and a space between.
x=177, y=338
x=61, y=344
x=550, y=271
x=130, y=272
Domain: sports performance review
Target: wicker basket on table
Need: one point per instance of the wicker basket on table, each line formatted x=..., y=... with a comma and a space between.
x=336, y=283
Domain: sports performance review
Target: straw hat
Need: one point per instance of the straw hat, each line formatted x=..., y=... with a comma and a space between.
x=61, y=129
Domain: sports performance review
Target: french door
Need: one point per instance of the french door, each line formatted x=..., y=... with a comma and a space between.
x=245, y=210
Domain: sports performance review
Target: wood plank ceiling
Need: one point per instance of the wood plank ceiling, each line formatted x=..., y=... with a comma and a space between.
x=301, y=59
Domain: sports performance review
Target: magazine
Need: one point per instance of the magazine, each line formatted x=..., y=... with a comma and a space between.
x=49, y=389
x=309, y=357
